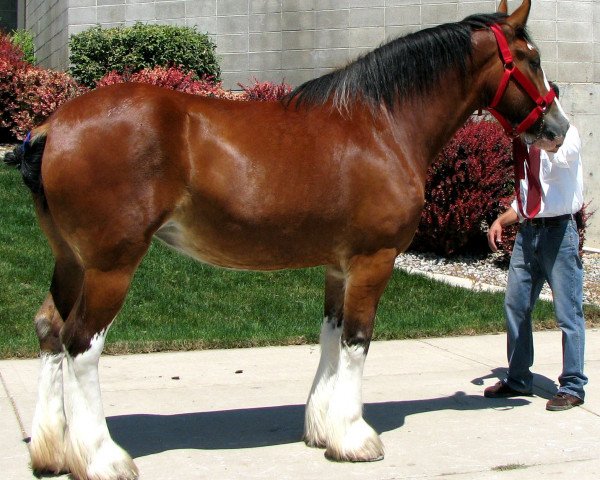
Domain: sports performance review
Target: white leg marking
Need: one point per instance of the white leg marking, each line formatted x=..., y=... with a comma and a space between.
x=47, y=447
x=318, y=400
x=91, y=452
x=349, y=437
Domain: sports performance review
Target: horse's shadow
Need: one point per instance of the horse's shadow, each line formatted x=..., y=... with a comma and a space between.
x=146, y=434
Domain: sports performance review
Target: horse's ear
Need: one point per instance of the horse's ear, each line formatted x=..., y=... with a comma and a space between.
x=519, y=16
x=503, y=7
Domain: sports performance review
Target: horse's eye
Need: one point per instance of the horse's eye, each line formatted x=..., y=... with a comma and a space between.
x=535, y=63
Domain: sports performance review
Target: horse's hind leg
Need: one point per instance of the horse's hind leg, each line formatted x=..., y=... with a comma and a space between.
x=349, y=437
x=91, y=452
x=315, y=426
x=47, y=445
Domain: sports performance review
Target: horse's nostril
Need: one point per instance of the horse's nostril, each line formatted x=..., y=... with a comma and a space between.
x=548, y=132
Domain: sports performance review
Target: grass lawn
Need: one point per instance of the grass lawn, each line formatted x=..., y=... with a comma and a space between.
x=176, y=303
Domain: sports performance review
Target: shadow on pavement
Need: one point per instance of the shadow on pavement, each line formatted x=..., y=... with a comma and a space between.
x=543, y=386
x=146, y=434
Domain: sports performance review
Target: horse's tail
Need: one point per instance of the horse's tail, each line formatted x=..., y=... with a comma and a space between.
x=27, y=157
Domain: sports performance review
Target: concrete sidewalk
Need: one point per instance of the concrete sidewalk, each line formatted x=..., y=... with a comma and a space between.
x=233, y=414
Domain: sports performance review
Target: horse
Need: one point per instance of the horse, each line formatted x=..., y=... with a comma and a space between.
x=334, y=175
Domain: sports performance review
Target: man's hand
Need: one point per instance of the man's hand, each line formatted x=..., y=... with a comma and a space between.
x=494, y=235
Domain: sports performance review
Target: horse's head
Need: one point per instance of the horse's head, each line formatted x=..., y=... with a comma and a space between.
x=523, y=102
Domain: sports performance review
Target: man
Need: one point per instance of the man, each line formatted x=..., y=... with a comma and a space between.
x=548, y=195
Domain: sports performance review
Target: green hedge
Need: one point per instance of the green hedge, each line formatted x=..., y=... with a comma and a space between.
x=97, y=51
x=24, y=40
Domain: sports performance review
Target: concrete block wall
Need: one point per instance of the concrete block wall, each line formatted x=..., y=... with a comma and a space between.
x=296, y=40
x=48, y=21
x=581, y=101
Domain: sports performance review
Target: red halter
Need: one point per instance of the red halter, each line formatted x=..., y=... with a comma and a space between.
x=512, y=71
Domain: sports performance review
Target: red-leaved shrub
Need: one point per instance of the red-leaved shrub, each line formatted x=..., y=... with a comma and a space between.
x=174, y=79
x=583, y=217
x=38, y=93
x=10, y=53
x=28, y=94
x=467, y=187
x=11, y=62
x=266, y=91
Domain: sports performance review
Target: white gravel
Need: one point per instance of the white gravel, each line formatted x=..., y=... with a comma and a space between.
x=490, y=270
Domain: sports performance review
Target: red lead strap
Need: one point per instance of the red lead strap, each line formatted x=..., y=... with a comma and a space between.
x=512, y=71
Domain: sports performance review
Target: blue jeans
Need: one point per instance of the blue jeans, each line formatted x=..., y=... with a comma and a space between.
x=548, y=253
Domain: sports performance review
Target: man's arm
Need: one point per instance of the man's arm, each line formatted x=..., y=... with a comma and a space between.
x=569, y=151
x=494, y=234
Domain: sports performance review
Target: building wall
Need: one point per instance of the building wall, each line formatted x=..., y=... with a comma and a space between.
x=295, y=40
x=48, y=21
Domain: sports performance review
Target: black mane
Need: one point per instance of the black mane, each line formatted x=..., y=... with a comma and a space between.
x=406, y=66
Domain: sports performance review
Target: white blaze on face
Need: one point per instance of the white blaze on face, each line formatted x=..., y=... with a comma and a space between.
x=558, y=105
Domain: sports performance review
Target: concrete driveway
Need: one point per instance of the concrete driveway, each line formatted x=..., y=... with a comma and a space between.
x=229, y=414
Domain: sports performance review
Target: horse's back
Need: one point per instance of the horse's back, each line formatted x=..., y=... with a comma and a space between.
x=254, y=185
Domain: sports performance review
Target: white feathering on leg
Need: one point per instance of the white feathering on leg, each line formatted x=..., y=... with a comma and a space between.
x=47, y=446
x=315, y=427
x=91, y=452
x=349, y=437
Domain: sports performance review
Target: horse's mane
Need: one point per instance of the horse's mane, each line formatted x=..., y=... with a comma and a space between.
x=407, y=66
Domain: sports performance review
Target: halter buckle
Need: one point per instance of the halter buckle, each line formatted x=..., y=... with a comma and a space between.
x=542, y=105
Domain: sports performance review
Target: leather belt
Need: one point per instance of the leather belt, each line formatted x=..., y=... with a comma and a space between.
x=548, y=221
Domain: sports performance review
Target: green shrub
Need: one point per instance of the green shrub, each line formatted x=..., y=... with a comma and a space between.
x=24, y=40
x=96, y=52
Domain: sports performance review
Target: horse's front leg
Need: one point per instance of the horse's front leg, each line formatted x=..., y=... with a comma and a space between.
x=349, y=437
x=315, y=425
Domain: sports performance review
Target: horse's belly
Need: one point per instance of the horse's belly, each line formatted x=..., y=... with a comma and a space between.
x=240, y=251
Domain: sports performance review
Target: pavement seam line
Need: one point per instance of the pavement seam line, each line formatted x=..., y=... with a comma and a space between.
x=455, y=354
x=14, y=406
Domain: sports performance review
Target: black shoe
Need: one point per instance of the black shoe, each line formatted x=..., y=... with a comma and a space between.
x=502, y=390
x=563, y=401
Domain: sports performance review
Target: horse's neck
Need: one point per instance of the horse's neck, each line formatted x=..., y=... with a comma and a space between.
x=427, y=123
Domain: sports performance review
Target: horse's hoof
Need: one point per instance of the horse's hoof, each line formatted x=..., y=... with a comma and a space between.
x=314, y=442
x=359, y=444
x=372, y=453
x=109, y=462
x=47, y=456
x=48, y=470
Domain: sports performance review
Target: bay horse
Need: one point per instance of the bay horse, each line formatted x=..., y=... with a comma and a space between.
x=333, y=176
